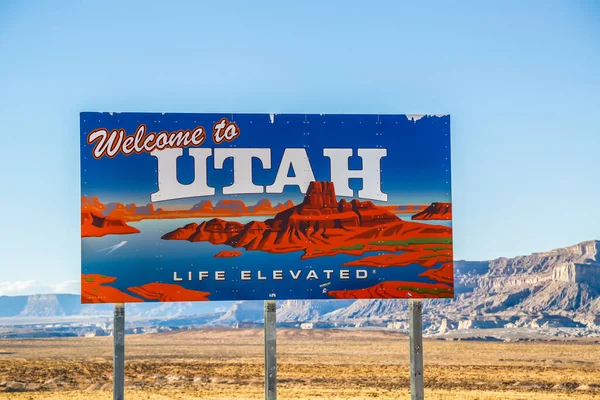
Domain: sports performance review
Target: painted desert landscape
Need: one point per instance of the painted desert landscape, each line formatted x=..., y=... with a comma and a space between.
x=407, y=248
x=312, y=364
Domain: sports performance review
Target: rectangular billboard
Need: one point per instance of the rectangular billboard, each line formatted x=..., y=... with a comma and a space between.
x=209, y=207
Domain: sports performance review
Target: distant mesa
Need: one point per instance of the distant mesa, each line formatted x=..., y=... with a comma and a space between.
x=396, y=289
x=284, y=206
x=128, y=211
x=409, y=208
x=264, y=207
x=261, y=205
x=148, y=209
x=436, y=211
x=165, y=292
x=203, y=206
x=94, y=225
x=228, y=254
x=225, y=208
x=119, y=211
x=320, y=226
x=118, y=208
x=231, y=206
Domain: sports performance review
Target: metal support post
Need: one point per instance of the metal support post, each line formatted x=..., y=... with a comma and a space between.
x=270, y=351
x=415, y=326
x=119, y=352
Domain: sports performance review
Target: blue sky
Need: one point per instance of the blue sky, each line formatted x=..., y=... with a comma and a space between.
x=520, y=80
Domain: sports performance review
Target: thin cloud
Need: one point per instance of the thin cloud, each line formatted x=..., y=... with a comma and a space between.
x=18, y=288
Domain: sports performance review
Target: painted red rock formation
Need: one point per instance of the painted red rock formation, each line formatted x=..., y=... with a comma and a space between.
x=168, y=292
x=94, y=289
x=130, y=211
x=238, y=207
x=231, y=206
x=319, y=226
x=319, y=220
x=94, y=225
x=119, y=210
x=284, y=206
x=391, y=237
x=228, y=254
x=215, y=231
x=426, y=256
x=396, y=289
x=436, y=211
x=320, y=195
x=205, y=206
x=92, y=204
x=444, y=274
x=148, y=209
x=409, y=209
x=183, y=233
x=263, y=205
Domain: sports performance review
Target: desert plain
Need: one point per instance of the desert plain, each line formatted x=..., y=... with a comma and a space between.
x=312, y=364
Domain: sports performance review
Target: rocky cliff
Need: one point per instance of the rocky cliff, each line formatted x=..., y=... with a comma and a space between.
x=559, y=287
x=588, y=274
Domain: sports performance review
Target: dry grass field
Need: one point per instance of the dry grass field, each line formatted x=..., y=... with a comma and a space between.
x=316, y=364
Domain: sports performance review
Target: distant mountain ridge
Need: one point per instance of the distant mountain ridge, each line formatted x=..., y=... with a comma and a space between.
x=560, y=287
x=205, y=208
x=131, y=212
x=47, y=305
x=564, y=280
x=66, y=305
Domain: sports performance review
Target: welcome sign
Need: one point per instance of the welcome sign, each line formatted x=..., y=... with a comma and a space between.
x=206, y=207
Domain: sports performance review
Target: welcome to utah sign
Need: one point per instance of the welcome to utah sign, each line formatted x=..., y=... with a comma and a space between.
x=197, y=207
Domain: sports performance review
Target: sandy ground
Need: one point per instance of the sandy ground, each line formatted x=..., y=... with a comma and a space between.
x=318, y=364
